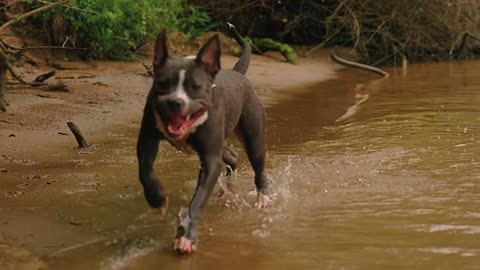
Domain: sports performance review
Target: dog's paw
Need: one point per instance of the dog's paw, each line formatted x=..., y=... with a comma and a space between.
x=184, y=246
x=163, y=209
x=155, y=195
x=263, y=200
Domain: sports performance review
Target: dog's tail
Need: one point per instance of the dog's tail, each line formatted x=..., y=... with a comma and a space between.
x=244, y=60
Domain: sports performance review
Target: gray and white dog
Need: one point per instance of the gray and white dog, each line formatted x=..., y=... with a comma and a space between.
x=194, y=105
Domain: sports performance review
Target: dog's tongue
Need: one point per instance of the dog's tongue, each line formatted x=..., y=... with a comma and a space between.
x=178, y=125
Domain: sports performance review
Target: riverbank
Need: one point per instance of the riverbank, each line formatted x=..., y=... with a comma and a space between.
x=106, y=93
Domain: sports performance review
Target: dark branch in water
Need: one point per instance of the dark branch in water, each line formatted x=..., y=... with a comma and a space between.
x=78, y=135
x=347, y=63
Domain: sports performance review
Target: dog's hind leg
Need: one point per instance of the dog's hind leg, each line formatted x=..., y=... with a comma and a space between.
x=229, y=157
x=251, y=131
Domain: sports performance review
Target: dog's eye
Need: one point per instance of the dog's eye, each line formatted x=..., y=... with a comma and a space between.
x=161, y=86
x=196, y=86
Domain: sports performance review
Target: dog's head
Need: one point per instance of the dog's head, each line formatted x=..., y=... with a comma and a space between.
x=182, y=87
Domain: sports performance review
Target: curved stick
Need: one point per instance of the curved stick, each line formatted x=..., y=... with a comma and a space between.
x=32, y=12
x=347, y=63
x=78, y=135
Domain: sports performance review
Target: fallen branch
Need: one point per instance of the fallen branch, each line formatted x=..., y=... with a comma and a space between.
x=72, y=7
x=78, y=135
x=21, y=49
x=31, y=13
x=463, y=38
x=148, y=70
x=39, y=81
x=58, y=87
x=44, y=77
x=347, y=63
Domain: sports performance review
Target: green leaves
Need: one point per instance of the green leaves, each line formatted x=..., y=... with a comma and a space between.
x=116, y=29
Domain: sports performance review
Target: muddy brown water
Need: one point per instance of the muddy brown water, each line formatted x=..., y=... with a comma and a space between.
x=394, y=185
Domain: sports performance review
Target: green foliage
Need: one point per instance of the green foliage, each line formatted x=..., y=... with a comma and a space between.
x=116, y=29
x=268, y=44
x=196, y=23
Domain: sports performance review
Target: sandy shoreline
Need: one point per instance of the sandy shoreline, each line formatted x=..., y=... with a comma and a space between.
x=108, y=93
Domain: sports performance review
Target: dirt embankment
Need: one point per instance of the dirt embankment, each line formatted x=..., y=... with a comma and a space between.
x=105, y=93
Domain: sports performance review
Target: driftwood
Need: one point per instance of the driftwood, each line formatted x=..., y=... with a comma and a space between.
x=44, y=77
x=57, y=87
x=31, y=13
x=5, y=64
x=347, y=63
x=78, y=135
x=21, y=50
x=36, y=83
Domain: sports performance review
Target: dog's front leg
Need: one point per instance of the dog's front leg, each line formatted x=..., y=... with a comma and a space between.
x=147, y=148
x=211, y=166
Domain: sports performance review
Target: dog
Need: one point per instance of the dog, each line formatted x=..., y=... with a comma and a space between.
x=195, y=106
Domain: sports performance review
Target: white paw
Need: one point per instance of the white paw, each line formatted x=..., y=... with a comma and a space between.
x=262, y=200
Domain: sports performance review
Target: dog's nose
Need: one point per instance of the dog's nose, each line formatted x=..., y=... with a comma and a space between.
x=176, y=104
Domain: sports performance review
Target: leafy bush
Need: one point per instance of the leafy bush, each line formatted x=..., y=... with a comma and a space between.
x=116, y=29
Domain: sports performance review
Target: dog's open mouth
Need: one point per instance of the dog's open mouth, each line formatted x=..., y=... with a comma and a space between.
x=179, y=125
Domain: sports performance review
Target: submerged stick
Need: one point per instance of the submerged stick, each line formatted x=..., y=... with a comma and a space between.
x=347, y=63
x=78, y=135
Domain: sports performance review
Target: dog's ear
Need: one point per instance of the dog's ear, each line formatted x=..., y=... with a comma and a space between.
x=209, y=56
x=161, y=50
